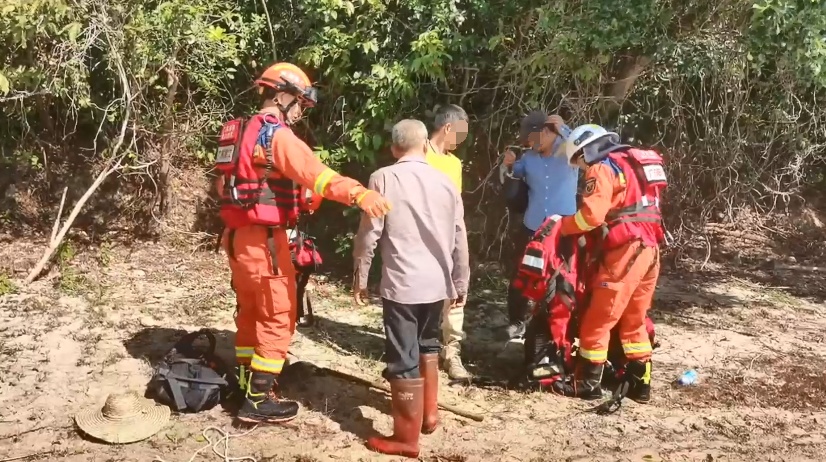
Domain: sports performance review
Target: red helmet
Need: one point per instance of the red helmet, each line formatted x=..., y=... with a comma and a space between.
x=289, y=78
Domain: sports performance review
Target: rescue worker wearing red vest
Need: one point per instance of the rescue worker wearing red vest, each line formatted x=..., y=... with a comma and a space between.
x=620, y=204
x=261, y=188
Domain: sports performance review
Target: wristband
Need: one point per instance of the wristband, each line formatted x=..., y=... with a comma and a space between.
x=360, y=197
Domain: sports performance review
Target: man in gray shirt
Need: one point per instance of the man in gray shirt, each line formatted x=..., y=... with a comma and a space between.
x=424, y=255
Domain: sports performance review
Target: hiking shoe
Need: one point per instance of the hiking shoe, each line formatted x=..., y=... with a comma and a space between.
x=262, y=404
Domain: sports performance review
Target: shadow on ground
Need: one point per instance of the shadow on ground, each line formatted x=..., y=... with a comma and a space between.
x=363, y=341
x=338, y=399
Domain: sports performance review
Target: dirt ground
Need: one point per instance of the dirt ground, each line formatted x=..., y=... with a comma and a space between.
x=95, y=326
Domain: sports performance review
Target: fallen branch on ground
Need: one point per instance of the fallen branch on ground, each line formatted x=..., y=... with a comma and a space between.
x=380, y=386
x=811, y=269
x=713, y=326
x=28, y=456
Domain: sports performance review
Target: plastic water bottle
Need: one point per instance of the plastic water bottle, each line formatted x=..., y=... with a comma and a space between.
x=688, y=378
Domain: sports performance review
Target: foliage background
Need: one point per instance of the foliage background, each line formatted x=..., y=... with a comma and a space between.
x=731, y=91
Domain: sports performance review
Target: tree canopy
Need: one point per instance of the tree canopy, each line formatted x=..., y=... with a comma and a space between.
x=731, y=91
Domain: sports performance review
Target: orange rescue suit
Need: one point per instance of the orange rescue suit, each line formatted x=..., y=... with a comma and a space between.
x=623, y=287
x=263, y=275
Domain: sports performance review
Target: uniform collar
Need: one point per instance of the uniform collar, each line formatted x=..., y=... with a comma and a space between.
x=421, y=160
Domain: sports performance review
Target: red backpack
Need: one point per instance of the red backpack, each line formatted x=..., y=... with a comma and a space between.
x=552, y=274
x=306, y=260
x=548, y=276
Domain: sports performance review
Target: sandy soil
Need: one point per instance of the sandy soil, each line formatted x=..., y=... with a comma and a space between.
x=95, y=326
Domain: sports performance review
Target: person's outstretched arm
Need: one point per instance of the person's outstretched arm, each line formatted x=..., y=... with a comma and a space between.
x=296, y=160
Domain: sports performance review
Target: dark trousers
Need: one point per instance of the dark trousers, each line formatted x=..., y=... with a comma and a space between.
x=517, y=304
x=410, y=330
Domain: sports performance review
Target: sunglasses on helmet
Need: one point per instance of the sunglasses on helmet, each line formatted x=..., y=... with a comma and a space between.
x=309, y=97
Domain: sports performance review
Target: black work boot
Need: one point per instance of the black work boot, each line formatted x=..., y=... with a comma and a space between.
x=261, y=404
x=585, y=383
x=639, y=373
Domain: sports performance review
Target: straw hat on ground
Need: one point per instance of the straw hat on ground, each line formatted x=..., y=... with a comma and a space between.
x=125, y=418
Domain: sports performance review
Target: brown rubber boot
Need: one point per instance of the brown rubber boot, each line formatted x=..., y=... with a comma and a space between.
x=407, y=396
x=429, y=368
x=586, y=383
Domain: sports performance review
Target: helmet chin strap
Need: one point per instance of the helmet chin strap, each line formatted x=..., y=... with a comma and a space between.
x=285, y=110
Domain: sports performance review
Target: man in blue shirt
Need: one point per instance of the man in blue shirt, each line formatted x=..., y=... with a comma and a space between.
x=552, y=185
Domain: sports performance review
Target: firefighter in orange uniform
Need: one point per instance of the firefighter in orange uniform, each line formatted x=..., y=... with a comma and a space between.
x=267, y=175
x=620, y=204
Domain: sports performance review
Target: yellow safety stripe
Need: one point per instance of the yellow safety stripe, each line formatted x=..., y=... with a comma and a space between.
x=581, y=223
x=634, y=348
x=646, y=377
x=242, y=377
x=594, y=355
x=272, y=366
x=323, y=180
x=244, y=352
x=622, y=179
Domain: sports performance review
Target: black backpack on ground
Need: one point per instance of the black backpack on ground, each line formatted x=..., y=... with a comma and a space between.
x=188, y=380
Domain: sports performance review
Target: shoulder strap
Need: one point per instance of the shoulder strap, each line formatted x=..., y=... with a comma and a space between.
x=268, y=128
x=614, y=165
x=544, y=231
x=205, y=380
x=184, y=345
x=175, y=385
x=177, y=395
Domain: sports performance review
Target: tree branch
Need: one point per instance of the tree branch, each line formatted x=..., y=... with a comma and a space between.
x=112, y=165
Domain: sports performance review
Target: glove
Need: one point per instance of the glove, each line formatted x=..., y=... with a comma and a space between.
x=373, y=203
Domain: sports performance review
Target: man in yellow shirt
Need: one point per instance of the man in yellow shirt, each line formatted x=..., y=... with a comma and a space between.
x=450, y=128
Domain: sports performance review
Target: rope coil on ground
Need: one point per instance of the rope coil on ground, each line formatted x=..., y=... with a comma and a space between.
x=225, y=437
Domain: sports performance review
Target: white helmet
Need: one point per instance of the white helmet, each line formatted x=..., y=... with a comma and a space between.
x=595, y=142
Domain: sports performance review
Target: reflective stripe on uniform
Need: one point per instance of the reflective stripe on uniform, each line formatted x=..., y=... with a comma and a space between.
x=261, y=364
x=323, y=180
x=244, y=352
x=636, y=348
x=534, y=262
x=581, y=223
x=593, y=355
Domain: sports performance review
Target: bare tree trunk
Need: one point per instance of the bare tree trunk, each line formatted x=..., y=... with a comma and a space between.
x=616, y=92
x=164, y=165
